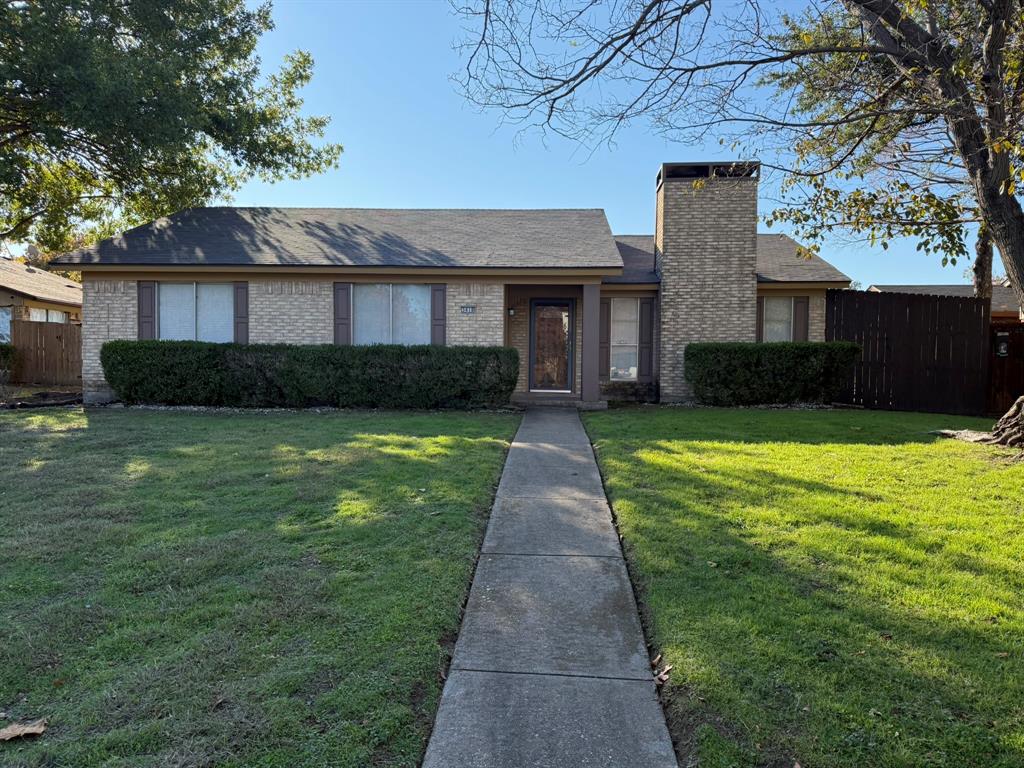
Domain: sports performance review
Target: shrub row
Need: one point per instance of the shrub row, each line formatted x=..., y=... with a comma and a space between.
x=283, y=375
x=730, y=374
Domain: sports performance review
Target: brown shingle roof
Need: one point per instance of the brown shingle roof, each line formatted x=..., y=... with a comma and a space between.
x=777, y=262
x=637, y=252
x=38, y=284
x=1003, y=297
x=560, y=238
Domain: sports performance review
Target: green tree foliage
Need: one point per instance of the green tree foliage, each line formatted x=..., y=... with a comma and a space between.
x=114, y=112
x=877, y=156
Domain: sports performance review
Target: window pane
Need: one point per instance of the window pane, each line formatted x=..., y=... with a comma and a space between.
x=215, y=312
x=37, y=315
x=5, y=324
x=410, y=314
x=624, y=363
x=371, y=313
x=56, y=316
x=177, y=311
x=624, y=321
x=778, y=319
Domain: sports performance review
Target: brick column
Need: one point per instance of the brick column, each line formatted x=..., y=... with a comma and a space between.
x=590, y=389
x=705, y=245
x=109, y=311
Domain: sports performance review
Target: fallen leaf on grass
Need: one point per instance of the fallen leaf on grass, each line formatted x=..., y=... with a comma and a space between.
x=23, y=729
x=656, y=661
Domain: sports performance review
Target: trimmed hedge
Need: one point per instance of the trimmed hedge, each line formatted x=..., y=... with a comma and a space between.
x=299, y=376
x=758, y=374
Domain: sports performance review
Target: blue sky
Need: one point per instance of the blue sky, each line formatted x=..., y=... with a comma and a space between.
x=382, y=75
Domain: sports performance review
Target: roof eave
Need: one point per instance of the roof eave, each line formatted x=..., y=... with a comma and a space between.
x=593, y=270
x=829, y=283
x=40, y=297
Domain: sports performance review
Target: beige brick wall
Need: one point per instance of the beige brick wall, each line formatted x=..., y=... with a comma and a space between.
x=302, y=312
x=110, y=311
x=706, y=240
x=519, y=337
x=486, y=325
x=816, y=316
x=291, y=311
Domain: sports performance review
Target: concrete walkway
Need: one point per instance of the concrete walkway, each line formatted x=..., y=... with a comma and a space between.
x=550, y=669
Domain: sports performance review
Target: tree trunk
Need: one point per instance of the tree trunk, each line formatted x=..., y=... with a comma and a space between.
x=1004, y=225
x=1009, y=430
x=983, y=265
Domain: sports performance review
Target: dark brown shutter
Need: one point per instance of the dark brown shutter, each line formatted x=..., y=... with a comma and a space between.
x=147, y=309
x=645, y=353
x=604, y=348
x=438, y=315
x=801, y=321
x=760, y=318
x=343, y=313
x=241, y=313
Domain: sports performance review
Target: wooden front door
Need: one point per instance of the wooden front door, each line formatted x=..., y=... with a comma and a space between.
x=551, y=345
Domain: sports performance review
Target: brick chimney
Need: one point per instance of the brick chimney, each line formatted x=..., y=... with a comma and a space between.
x=705, y=241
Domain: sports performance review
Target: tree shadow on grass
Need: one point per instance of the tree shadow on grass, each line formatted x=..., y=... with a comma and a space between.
x=200, y=589
x=811, y=616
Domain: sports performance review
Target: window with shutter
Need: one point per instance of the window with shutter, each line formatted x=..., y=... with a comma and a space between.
x=625, y=339
x=196, y=312
x=383, y=313
x=778, y=318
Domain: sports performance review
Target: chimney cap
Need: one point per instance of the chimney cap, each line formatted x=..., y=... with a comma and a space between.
x=706, y=170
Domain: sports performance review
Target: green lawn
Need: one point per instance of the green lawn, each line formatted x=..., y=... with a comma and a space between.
x=235, y=589
x=834, y=588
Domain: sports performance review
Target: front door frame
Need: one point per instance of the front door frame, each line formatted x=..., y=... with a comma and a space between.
x=554, y=302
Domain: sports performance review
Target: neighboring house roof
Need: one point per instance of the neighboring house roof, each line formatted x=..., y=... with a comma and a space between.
x=1003, y=297
x=363, y=237
x=38, y=284
x=777, y=262
x=637, y=252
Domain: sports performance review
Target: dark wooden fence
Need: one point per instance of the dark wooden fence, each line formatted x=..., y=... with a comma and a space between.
x=919, y=353
x=47, y=353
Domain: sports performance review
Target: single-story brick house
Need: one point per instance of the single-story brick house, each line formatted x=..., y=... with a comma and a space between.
x=29, y=293
x=589, y=312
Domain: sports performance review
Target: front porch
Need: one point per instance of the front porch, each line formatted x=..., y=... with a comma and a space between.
x=555, y=329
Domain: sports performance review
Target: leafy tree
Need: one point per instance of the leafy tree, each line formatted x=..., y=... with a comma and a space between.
x=114, y=112
x=888, y=118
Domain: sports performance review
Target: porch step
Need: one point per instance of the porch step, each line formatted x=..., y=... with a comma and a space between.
x=556, y=401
